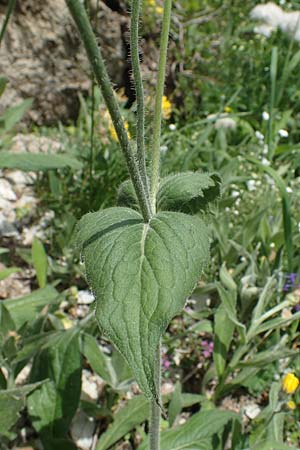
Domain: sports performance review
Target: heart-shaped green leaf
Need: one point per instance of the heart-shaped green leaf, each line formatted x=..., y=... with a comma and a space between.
x=188, y=192
x=141, y=274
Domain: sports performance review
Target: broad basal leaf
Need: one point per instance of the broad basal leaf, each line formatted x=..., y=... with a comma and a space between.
x=141, y=275
x=189, y=192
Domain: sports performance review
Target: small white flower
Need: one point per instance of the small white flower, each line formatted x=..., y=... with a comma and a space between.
x=225, y=123
x=259, y=135
x=265, y=149
x=289, y=190
x=85, y=297
x=272, y=245
x=283, y=133
x=164, y=149
x=281, y=2
x=235, y=194
x=265, y=115
x=265, y=162
x=264, y=30
x=251, y=185
x=172, y=126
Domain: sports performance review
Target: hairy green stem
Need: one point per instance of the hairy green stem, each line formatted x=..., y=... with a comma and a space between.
x=138, y=81
x=155, y=410
x=94, y=54
x=158, y=102
x=10, y=9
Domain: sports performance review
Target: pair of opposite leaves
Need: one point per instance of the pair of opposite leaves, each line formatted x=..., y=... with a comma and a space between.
x=141, y=273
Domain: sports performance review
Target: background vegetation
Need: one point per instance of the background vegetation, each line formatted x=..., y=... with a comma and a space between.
x=232, y=107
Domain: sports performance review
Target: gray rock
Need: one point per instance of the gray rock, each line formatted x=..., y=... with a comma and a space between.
x=43, y=58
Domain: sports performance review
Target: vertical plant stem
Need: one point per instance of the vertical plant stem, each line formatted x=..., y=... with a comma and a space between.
x=10, y=9
x=158, y=102
x=155, y=410
x=94, y=54
x=138, y=81
x=92, y=131
x=273, y=75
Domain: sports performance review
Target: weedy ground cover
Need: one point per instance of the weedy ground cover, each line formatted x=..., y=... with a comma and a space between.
x=230, y=360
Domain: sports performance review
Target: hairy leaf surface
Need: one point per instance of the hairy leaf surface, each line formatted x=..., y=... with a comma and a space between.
x=141, y=275
x=189, y=192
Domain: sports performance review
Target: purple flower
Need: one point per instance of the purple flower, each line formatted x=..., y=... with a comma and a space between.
x=208, y=348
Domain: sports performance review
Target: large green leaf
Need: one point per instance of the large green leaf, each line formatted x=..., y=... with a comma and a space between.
x=188, y=192
x=53, y=406
x=34, y=162
x=141, y=274
x=11, y=403
x=26, y=309
x=196, y=433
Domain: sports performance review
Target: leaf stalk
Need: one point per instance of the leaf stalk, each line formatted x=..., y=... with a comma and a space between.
x=158, y=102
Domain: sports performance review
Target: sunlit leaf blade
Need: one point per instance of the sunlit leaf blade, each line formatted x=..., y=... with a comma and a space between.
x=188, y=192
x=34, y=162
x=141, y=275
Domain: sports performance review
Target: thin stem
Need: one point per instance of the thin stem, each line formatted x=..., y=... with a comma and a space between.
x=94, y=54
x=10, y=9
x=158, y=102
x=155, y=410
x=138, y=81
x=273, y=75
x=92, y=131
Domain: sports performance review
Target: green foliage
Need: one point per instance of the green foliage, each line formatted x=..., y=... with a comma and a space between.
x=197, y=432
x=134, y=279
x=40, y=262
x=12, y=401
x=35, y=162
x=53, y=406
x=131, y=415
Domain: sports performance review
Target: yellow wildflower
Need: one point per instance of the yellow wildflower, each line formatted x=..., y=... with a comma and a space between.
x=113, y=132
x=159, y=9
x=291, y=404
x=166, y=107
x=151, y=2
x=227, y=109
x=290, y=383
